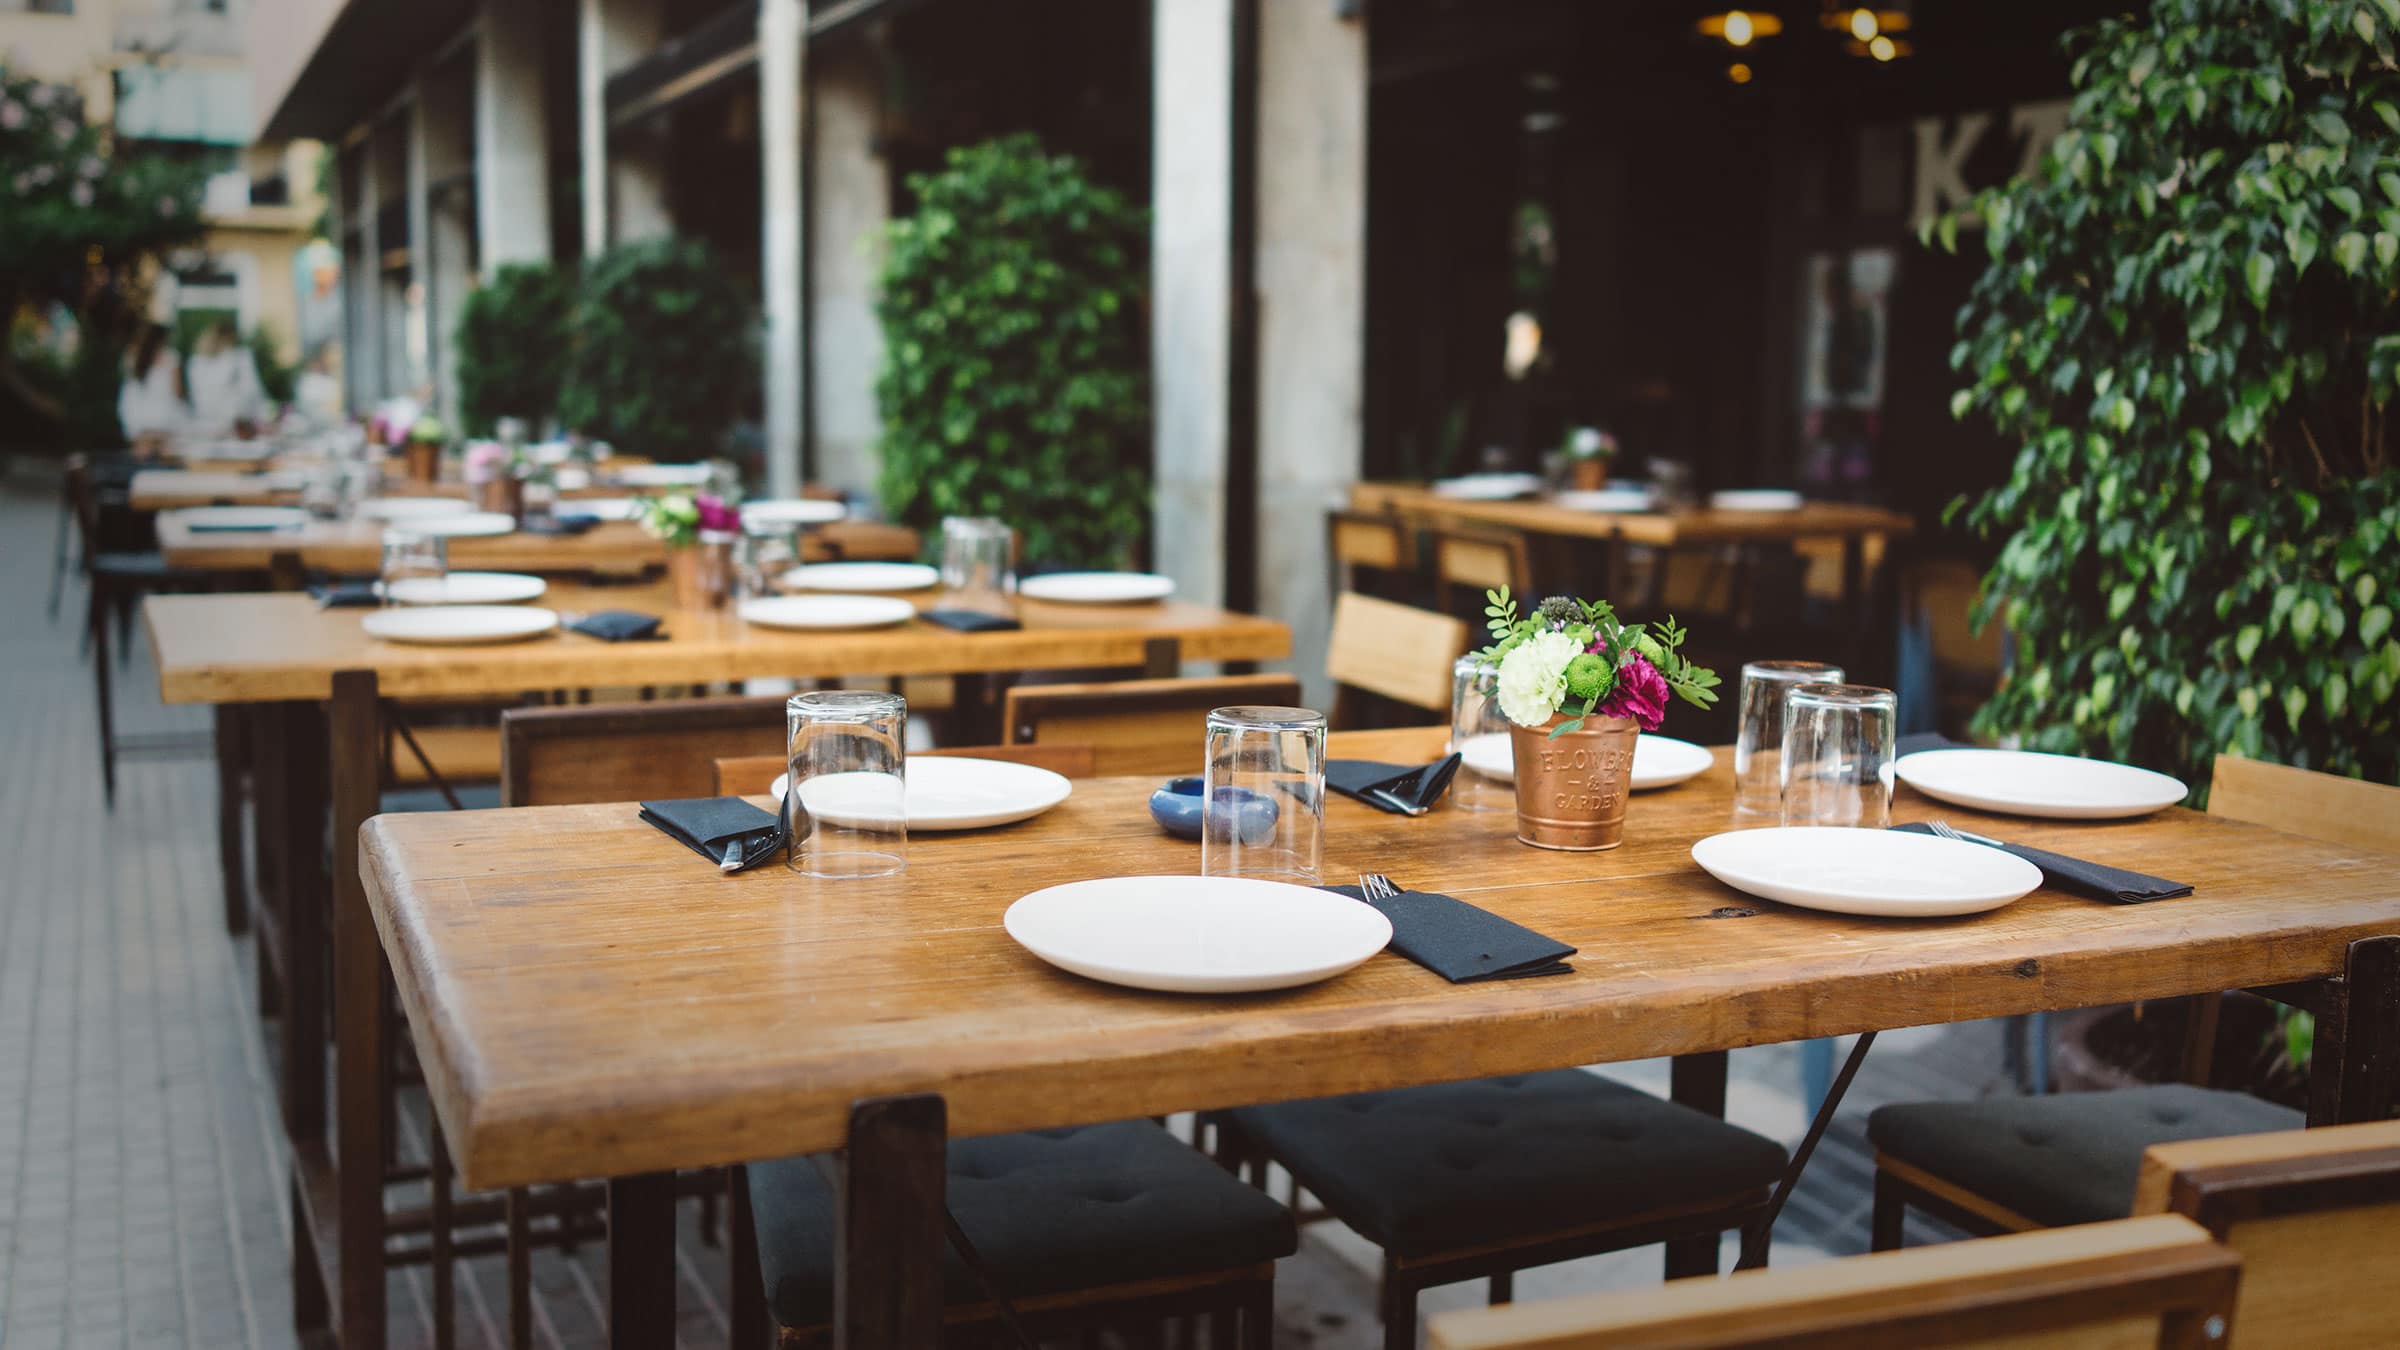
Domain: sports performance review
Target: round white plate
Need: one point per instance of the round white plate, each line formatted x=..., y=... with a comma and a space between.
x=598, y=508
x=661, y=475
x=242, y=517
x=571, y=479
x=225, y=452
x=1886, y=873
x=825, y=611
x=1097, y=588
x=2023, y=783
x=1197, y=935
x=466, y=588
x=460, y=624
x=1606, y=499
x=1756, y=499
x=1488, y=487
x=466, y=525
x=1658, y=761
x=411, y=508
x=862, y=576
x=945, y=792
x=793, y=511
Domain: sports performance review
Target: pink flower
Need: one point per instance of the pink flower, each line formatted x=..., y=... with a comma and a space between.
x=716, y=516
x=12, y=114
x=1641, y=694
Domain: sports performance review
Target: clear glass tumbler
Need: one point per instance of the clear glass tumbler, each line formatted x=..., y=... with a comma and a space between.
x=845, y=799
x=1837, y=755
x=1262, y=806
x=411, y=556
x=766, y=551
x=1479, y=730
x=979, y=564
x=1758, y=745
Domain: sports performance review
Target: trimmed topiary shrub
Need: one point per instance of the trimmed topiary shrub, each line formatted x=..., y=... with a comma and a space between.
x=664, y=350
x=512, y=346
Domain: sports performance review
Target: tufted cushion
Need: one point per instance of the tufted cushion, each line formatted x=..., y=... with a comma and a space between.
x=1431, y=1169
x=1048, y=1212
x=2070, y=1158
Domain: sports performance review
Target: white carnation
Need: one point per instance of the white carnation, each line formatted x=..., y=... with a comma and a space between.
x=1533, y=677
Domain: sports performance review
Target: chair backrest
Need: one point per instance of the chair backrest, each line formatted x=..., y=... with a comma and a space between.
x=1401, y=652
x=2300, y=801
x=614, y=752
x=2315, y=1215
x=1366, y=541
x=1136, y=726
x=2135, y=1282
x=1479, y=561
x=752, y=775
x=1944, y=591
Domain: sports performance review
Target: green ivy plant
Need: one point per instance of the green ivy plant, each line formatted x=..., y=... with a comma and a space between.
x=2190, y=324
x=1013, y=381
x=664, y=350
x=513, y=337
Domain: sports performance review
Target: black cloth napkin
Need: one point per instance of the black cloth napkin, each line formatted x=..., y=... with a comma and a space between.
x=565, y=523
x=347, y=595
x=2096, y=880
x=709, y=825
x=619, y=625
x=1464, y=944
x=970, y=621
x=1380, y=785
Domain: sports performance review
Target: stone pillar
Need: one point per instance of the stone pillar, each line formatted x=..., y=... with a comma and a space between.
x=624, y=182
x=428, y=343
x=849, y=200
x=512, y=140
x=782, y=26
x=446, y=113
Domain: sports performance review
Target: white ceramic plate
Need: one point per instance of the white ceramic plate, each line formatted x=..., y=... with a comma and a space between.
x=945, y=792
x=1198, y=935
x=412, y=508
x=2023, y=783
x=1606, y=499
x=862, y=576
x=448, y=625
x=571, y=479
x=793, y=511
x=466, y=525
x=1489, y=487
x=598, y=508
x=228, y=452
x=466, y=588
x=1098, y=588
x=1658, y=761
x=825, y=611
x=1756, y=499
x=242, y=517
x=661, y=475
x=1886, y=873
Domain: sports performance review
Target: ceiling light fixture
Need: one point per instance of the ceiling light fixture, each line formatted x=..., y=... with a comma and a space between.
x=1740, y=27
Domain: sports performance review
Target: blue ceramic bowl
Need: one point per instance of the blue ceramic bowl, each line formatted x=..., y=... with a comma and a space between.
x=1176, y=808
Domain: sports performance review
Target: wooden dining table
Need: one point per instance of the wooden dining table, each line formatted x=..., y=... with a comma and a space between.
x=318, y=690
x=587, y=999
x=355, y=547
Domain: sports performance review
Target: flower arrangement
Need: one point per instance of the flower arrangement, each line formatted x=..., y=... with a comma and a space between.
x=1572, y=656
x=682, y=518
x=483, y=461
x=1590, y=443
x=428, y=429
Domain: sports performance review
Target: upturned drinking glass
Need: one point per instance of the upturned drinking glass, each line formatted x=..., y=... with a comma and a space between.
x=1475, y=716
x=412, y=555
x=1758, y=745
x=979, y=564
x=766, y=551
x=1837, y=755
x=1262, y=805
x=845, y=795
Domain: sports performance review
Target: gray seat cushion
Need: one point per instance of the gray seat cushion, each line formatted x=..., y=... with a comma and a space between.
x=2069, y=1158
x=1432, y=1169
x=1048, y=1212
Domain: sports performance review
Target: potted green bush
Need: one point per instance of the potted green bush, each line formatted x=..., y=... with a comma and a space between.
x=513, y=337
x=664, y=350
x=1014, y=380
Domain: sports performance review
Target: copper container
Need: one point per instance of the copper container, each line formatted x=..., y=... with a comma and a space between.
x=1571, y=789
x=504, y=494
x=423, y=460
x=700, y=574
x=1587, y=475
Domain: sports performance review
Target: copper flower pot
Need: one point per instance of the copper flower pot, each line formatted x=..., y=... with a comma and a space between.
x=1571, y=789
x=1588, y=475
x=423, y=460
x=700, y=574
x=504, y=494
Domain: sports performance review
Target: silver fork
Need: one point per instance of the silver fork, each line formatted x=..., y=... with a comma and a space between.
x=1376, y=886
x=1943, y=829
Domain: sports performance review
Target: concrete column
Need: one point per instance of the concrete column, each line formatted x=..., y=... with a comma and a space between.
x=849, y=201
x=1311, y=264
x=782, y=25
x=624, y=185
x=1191, y=242
x=427, y=341
x=446, y=112
x=512, y=142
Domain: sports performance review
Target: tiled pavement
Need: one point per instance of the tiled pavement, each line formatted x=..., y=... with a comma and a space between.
x=142, y=1197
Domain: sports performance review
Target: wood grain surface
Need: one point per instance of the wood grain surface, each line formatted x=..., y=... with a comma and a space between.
x=1666, y=529
x=590, y=999
x=356, y=547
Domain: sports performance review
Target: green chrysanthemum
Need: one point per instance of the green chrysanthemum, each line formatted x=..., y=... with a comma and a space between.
x=1588, y=676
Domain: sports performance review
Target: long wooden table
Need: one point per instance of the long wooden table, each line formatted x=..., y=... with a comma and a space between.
x=587, y=1000
x=315, y=686
x=1659, y=529
x=355, y=547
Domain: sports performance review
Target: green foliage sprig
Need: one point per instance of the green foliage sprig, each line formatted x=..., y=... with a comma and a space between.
x=664, y=350
x=2189, y=325
x=513, y=337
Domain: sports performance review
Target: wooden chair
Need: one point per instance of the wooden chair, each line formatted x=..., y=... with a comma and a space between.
x=752, y=776
x=1966, y=664
x=2157, y=1281
x=2008, y=1164
x=2315, y=1216
x=119, y=568
x=609, y=752
x=1369, y=551
x=1391, y=652
x=1479, y=561
x=1135, y=726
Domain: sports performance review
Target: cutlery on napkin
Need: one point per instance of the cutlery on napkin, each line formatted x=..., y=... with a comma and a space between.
x=1456, y=940
x=1401, y=789
x=727, y=831
x=559, y=525
x=970, y=621
x=2096, y=880
x=619, y=625
x=347, y=595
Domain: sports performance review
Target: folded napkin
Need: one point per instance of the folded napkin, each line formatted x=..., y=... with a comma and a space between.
x=347, y=595
x=619, y=625
x=709, y=826
x=1463, y=944
x=2097, y=880
x=1391, y=787
x=563, y=524
x=970, y=621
